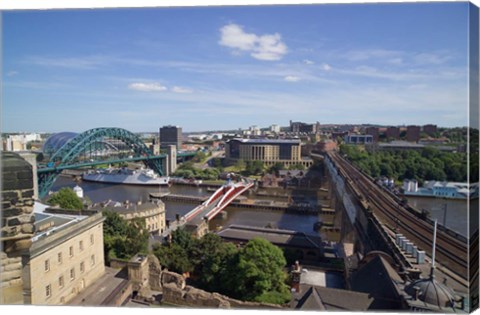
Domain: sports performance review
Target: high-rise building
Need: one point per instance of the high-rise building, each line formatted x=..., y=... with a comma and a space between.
x=275, y=128
x=430, y=129
x=170, y=135
x=413, y=133
x=374, y=132
x=393, y=133
x=301, y=127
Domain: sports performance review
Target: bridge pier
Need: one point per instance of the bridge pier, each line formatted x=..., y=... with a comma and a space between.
x=171, y=161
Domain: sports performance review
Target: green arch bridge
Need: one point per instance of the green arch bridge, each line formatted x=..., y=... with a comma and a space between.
x=84, y=151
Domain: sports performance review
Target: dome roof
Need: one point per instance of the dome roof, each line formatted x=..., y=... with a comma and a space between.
x=56, y=141
x=431, y=292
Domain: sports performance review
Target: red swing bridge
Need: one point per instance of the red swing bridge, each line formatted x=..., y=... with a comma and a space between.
x=218, y=201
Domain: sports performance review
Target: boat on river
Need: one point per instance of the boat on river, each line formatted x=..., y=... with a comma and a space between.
x=146, y=177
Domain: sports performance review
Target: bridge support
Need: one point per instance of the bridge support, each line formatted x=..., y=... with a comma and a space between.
x=171, y=165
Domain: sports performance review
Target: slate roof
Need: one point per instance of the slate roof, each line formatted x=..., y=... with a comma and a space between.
x=331, y=299
x=379, y=280
x=275, y=236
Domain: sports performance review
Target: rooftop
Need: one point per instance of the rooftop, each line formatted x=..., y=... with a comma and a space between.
x=275, y=236
x=267, y=141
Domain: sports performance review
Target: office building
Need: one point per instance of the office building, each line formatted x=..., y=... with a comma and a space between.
x=358, y=139
x=269, y=151
x=171, y=135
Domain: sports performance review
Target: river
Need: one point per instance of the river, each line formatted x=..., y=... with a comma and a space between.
x=98, y=192
x=457, y=216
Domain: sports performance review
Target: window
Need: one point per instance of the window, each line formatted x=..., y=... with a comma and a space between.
x=81, y=245
x=47, y=265
x=72, y=273
x=48, y=291
x=71, y=251
x=60, y=258
x=82, y=267
x=92, y=260
x=61, y=282
x=92, y=240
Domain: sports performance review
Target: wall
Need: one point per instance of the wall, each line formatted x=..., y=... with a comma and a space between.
x=17, y=226
x=176, y=292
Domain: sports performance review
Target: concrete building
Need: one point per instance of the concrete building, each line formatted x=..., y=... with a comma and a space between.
x=66, y=256
x=19, y=142
x=153, y=213
x=268, y=151
x=301, y=127
x=413, y=133
x=275, y=128
x=358, y=139
x=171, y=135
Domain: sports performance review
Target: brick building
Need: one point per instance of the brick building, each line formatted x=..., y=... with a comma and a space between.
x=413, y=133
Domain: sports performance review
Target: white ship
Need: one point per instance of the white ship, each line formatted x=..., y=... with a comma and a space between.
x=126, y=176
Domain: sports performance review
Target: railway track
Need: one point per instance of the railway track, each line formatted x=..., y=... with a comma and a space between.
x=451, y=252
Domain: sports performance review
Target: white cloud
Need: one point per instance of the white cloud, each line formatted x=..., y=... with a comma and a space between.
x=291, y=78
x=326, y=67
x=147, y=87
x=431, y=58
x=265, y=47
x=12, y=73
x=308, y=62
x=181, y=90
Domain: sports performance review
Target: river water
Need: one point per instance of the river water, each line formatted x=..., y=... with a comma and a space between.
x=98, y=192
x=456, y=215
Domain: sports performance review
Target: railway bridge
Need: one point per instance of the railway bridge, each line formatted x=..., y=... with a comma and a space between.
x=371, y=210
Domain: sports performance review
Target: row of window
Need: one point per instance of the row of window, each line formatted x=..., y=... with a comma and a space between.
x=70, y=253
x=61, y=279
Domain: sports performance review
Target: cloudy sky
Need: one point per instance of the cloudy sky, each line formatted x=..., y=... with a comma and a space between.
x=206, y=68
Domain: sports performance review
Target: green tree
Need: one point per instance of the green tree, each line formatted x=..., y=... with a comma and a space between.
x=259, y=274
x=173, y=257
x=297, y=166
x=66, y=198
x=240, y=165
x=123, y=239
x=212, y=258
x=276, y=168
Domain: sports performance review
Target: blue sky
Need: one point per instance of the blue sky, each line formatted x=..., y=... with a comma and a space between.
x=206, y=68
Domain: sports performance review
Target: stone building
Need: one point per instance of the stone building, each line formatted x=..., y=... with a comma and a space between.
x=269, y=151
x=66, y=256
x=152, y=212
x=17, y=225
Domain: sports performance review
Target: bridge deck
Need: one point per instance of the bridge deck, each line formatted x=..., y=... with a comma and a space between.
x=220, y=199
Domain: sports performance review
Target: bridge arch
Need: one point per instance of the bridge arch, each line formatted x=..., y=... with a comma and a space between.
x=67, y=154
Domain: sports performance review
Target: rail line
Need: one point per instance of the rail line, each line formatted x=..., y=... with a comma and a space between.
x=451, y=252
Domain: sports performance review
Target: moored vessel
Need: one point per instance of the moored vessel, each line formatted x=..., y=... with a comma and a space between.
x=126, y=176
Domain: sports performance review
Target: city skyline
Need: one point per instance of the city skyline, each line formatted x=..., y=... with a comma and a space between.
x=222, y=68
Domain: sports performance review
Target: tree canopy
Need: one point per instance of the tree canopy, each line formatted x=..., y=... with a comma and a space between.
x=66, y=198
x=427, y=164
x=253, y=273
x=123, y=239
